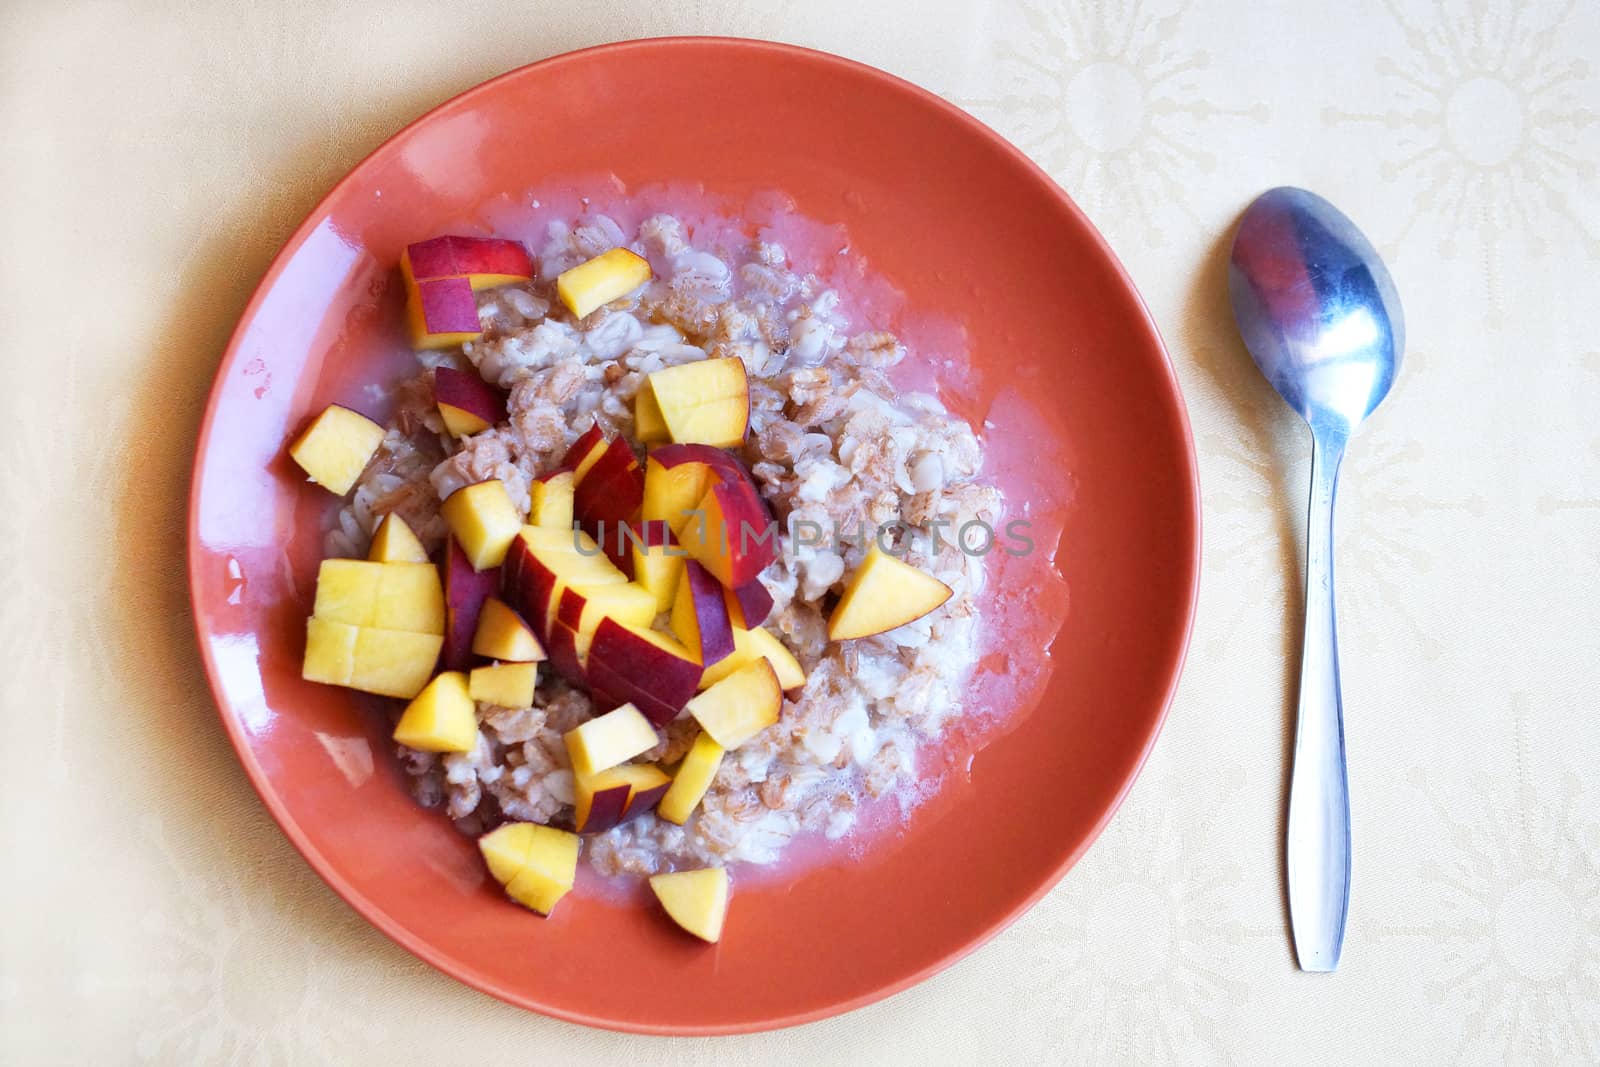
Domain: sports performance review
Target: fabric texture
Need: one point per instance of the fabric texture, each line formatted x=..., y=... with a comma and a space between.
x=157, y=154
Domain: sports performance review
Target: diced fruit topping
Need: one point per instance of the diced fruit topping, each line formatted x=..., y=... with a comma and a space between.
x=551, y=497
x=706, y=402
x=700, y=615
x=696, y=900
x=673, y=486
x=394, y=542
x=467, y=403
x=695, y=775
x=648, y=425
x=609, y=739
x=537, y=864
x=731, y=533
x=644, y=667
x=657, y=561
x=509, y=685
x=442, y=313
x=542, y=564
x=607, y=277
x=884, y=593
x=393, y=663
x=586, y=449
x=611, y=796
x=483, y=261
x=749, y=604
x=751, y=645
x=442, y=718
x=741, y=705
x=607, y=496
x=484, y=521
x=503, y=635
x=389, y=596
x=466, y=590
x=336, y=448
x=579, y=614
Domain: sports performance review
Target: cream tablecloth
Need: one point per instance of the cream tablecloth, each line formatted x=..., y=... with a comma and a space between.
x=154, y=155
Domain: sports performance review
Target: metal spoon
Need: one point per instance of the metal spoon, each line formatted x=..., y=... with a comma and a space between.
x=1321, y=317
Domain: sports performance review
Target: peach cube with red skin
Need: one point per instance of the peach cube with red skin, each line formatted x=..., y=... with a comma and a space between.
x=609, y=797
x=731, y=532
x=484, y=261
x=336, y=448
x=442, y=313
x=466, y=402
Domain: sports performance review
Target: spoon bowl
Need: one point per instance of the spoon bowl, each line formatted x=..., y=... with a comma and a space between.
x=1316, y=307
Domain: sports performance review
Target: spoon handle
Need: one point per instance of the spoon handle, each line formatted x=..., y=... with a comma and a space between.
x=1318, y=845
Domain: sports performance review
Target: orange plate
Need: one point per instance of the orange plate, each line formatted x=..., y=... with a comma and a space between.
x=911, y=178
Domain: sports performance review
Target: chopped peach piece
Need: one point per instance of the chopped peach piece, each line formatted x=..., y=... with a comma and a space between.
x=336, y=448
x=395, y=542
x=552, y=500
x=607, y=277
x=441, y=718
x=483, y=520
x=503, y=635
x=705, y=402
x=509, y=685
x=696, y=900
x=609, y=739
x=695, y=775
x=884, y=593
x=739, y=706
x=648, y=424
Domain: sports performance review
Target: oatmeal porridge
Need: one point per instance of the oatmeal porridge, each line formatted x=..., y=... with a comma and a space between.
x=860, y=479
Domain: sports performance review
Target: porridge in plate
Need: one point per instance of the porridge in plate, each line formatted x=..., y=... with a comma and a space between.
x=703, y=587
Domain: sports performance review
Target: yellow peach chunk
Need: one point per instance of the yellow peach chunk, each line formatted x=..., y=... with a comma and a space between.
x=659, y=568
x=884, y=593
x=503, y=634
x=551, y=498
x=396, y=542
x=442, y=718
x=599, y=281
x=394, y=663
x=766, y=644
x=337, y=447
x=631, y=780
x=609, y=739
x=648, y=424
x=510, y=685
x=672, y=494
x=536, y=864
x=505, y=849
x=695, y=775
x=483, y=520
x=739, y=706
x=705, y=402
x=696, y=900
x=330, y=651
x=389, y=596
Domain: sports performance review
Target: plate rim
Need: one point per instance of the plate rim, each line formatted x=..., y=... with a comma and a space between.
x=462, y=971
